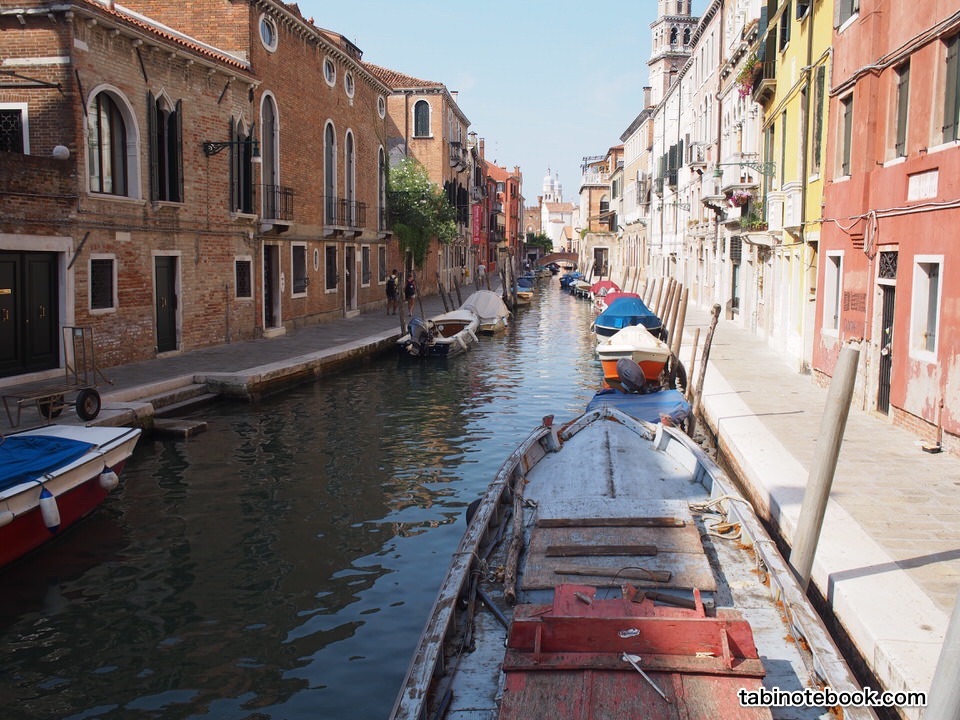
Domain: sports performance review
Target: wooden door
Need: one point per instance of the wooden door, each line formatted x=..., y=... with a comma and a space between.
x=29, y=313
x=166, y=303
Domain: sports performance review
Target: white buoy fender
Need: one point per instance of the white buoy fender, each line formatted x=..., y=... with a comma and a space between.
x=6, y=517
x=109, y=479
x=49, y=510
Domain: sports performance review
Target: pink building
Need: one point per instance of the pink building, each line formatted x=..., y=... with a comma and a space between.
x=889, y=270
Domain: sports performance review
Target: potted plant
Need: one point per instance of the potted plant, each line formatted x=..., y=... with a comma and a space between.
x=745, y=76
x=739, y=198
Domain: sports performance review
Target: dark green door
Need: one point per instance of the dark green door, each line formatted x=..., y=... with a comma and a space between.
x=166, y=274
x=29, y=313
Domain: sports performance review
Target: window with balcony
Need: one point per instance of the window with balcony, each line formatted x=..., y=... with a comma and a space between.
x=166, y=149
x=330, y=174
x=421, y=119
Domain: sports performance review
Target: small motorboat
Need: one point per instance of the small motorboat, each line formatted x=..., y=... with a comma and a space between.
x=444, y=335
x=602, y=302
x=51, y=477
x=492, y=312
x=636, y=343
x=603, y=287
x=663, y=406
x=624, y=312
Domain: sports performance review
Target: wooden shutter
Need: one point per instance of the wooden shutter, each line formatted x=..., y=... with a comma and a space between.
x=950, y=91
x=154, y=148
x=178, y=152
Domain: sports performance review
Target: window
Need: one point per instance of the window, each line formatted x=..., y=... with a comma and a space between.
x=107, y=147
x=348, y=84
x=818, y=99
x=925, y=317
x=241, y=169
x=102, y=284
x=331, y=278
x=382, y=263
x=268, y=33
x=382, y=191
x=166, y=154
x=803, y=7
x=382, y=107
x=903, y=104
x=833, y=282
x=366, y=271
x=329, y=72
x=350, y=180
x=846, y=118
x=243, y=271
x=784, y=28
x=845, y=9
x=421, y=119
x=330, y=174
x=13, y=135
x=298, y=255
x=951, y=111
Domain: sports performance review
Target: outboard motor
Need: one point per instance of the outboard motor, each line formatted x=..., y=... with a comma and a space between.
x=420, y=337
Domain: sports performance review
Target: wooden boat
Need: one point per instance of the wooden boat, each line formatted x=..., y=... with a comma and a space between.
x=666, y=405
x=491, y=311
x=602, y=302
x=612, y=571
x=51, y=477
x=445, y=335
x=637, y=343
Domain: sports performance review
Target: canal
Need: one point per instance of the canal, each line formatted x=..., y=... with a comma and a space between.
x=282, y=564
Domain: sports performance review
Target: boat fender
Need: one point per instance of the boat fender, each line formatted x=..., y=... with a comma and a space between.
x=6, y=517
x=109, y=479
x=461, y=342
x=49, y=510
x=473, y=335
x=661, y=439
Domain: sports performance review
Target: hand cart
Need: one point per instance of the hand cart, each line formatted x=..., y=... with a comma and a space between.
x=80, y=380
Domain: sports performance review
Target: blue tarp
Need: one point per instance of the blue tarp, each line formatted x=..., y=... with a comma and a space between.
x=645, y=406
x=28, y=457
x=626, y=311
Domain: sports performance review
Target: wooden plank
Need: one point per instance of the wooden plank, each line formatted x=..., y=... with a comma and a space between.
x=610, y=522
x=626, y=573
x=590, y=550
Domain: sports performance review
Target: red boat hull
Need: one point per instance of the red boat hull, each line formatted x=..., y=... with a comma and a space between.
x=27, y=532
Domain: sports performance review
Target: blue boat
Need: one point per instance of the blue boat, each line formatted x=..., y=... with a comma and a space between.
x=624, y=312
x=567, y=279
x=652, y=406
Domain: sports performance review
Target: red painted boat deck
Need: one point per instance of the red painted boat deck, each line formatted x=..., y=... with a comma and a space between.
x=566, y=660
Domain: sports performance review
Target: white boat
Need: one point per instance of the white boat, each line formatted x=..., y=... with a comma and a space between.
x=53, y=476
x=444, y=335
x=637, y=343
x=491, y=311
x=612, y=570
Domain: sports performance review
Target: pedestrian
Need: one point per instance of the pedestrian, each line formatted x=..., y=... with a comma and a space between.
x=481, y=275
x=392, y=291
x=410, y=292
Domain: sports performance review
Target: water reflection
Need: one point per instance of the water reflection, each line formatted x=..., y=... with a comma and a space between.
x=282, y=564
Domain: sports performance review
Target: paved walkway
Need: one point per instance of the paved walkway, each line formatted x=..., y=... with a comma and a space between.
x=889, y=554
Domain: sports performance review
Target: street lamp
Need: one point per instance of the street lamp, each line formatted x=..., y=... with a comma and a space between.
x=212, y=148
x=764, y=168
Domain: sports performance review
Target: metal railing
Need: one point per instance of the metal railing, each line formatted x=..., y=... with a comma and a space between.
x=345, y=213
x=277, y=202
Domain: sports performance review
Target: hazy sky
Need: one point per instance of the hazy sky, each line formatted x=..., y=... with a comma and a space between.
x=544, y=84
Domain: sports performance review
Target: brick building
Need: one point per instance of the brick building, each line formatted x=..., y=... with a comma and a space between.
x=179, y=188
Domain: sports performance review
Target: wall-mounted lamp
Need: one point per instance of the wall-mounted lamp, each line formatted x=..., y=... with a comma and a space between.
x=680, y=205
x=212, y=148
x=764, y=168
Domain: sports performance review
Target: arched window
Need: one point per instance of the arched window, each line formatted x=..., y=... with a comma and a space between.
x=421, y=119
x=349, y=178
x=686, y=36
x=166, y=154
x=674, y=36
x=109, y=171
x=381, y=190
x=270, y=158
x=330, y=174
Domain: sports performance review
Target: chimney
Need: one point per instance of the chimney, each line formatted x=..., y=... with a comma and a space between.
x=646, y=95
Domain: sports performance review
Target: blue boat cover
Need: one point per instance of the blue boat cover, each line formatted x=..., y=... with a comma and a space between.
x=28, y=457
x=645, y=406
x=626, y=311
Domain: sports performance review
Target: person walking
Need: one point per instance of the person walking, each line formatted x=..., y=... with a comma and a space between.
x=410, y=293
x=392, y=292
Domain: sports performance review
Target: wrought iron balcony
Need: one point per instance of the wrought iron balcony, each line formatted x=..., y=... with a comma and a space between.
x=342, y=212
x=277, y=202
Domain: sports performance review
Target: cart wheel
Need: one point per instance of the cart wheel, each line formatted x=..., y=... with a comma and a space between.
x=51, y=407
x=88, y=404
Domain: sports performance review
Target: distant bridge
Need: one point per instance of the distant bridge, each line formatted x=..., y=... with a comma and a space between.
x=558, y=258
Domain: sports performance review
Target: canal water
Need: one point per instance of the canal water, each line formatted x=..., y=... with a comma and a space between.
x=282, y=564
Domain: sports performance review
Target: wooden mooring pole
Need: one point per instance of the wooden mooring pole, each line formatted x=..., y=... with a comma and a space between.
x=698, y=391
x=824, y=465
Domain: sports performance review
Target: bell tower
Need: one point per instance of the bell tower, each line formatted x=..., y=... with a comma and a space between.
x=672, y=44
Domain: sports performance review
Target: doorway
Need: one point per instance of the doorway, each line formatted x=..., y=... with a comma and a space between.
x=166, y=302
x=350, y=286
x=271, y=286
x=885, y=366
x=29, y=312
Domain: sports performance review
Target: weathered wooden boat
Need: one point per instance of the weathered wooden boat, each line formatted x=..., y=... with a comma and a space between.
x=492, y=313
x=612, y=571
x=636, y=343
x=445, y=335
x=53, y=476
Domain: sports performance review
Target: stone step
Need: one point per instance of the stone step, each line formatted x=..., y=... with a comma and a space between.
x=182, y=402
x=178, y=427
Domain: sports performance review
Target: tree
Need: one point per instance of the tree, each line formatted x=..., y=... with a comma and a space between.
x=540, y=240
x=419, y=210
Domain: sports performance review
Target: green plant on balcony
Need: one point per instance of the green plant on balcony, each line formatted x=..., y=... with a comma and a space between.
x=744, y=78
x=755, y=219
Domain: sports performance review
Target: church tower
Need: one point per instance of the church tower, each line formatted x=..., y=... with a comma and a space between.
x=672, y=44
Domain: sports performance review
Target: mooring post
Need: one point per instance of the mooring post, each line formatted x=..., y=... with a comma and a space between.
x=824, y=465
x=944, y=700
x=698, y=391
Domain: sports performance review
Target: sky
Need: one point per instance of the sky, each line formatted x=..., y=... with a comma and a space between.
x=543, y=83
